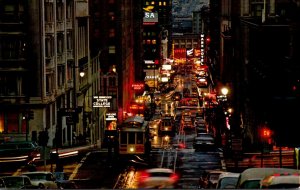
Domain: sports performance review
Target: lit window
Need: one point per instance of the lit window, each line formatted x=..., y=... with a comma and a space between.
x=153, y=41
x=112, y=49
x=148, y=41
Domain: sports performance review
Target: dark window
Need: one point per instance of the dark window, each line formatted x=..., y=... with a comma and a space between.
x=131, y=138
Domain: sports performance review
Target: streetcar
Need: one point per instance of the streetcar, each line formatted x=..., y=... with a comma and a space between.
x=167, y=125
x=134, y=136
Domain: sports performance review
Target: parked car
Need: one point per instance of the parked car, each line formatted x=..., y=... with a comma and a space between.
x=227, y=180
x=213, y=177
x=63, y=182
x=251, y=177
x=280, y=182
x=42, y=179
x=158, y=178
x=16, y=182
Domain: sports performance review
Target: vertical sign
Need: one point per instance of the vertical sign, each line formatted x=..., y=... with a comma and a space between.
x=202, y=48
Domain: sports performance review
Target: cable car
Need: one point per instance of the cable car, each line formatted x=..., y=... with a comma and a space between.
x=134, y=136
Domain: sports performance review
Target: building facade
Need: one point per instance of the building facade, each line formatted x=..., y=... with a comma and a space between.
x=258, y=59
x=48, y=43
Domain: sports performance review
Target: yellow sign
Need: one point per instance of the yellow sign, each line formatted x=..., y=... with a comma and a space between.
x=297, y=157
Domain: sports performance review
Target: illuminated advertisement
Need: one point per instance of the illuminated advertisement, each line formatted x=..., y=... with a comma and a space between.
x=180, y=54
x=137, y=86
x=150, y=18
x=101, y=101
x=190, y=52
x=111, y=116
x=166, y=67
x=202, y=48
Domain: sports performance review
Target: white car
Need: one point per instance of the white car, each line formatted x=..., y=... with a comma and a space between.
x=227, y=180
x=16, y=182
x=158, y=178
x=43, y=180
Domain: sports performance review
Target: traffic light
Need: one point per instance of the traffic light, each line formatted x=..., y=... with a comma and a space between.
x=266, y=133
x=43, y=138
x=207, y=40
x=31, y=115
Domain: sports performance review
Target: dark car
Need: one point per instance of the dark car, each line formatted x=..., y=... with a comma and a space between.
x=18, y=151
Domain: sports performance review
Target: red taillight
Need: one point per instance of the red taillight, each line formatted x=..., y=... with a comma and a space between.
x=181, y=145
x=174, y=177
x=143, y=176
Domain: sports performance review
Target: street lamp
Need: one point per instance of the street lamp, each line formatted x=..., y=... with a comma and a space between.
x=224, y=91
x=82, y=73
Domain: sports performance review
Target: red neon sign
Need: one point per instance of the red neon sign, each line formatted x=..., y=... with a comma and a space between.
x=137, y=86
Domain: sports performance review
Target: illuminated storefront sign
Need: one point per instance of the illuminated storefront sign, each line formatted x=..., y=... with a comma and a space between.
x=137, y=86
x=111, y=116
x=150, y=18
x=166, y=67
x=202, y=49
x=180, y=54
x=149, y=62
x=101, y=101
x=190, y=52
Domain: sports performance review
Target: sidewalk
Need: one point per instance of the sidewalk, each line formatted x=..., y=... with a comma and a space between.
x=257, y=159
x=49, y=165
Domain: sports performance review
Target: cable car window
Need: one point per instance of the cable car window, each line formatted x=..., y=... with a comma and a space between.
x=123, y=138
x=131, y=138
x=139, y=138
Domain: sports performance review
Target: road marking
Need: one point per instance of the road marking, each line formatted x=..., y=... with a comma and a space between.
x=17, y=173
x=78, y=166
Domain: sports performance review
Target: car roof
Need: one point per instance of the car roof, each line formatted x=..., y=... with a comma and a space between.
x=37, y=172
x=215, y=171
x=152, y=170
x=260, y=173
x=275, y=180
x=229, y=174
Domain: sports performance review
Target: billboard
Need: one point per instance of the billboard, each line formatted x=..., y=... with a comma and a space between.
x=179, y=54
x=150, y=15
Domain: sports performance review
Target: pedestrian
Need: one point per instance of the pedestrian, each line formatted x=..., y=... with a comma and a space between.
x=203, y=181
x=74, y=138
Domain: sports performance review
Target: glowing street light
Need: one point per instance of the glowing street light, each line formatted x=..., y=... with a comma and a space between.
x=224, y=91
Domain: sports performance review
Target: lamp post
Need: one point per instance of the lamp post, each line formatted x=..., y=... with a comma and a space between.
x=75, y=115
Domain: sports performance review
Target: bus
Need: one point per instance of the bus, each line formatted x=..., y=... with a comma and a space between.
x=134, y=136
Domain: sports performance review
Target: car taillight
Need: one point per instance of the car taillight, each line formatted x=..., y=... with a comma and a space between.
x=174, y=177
x=143, y=176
